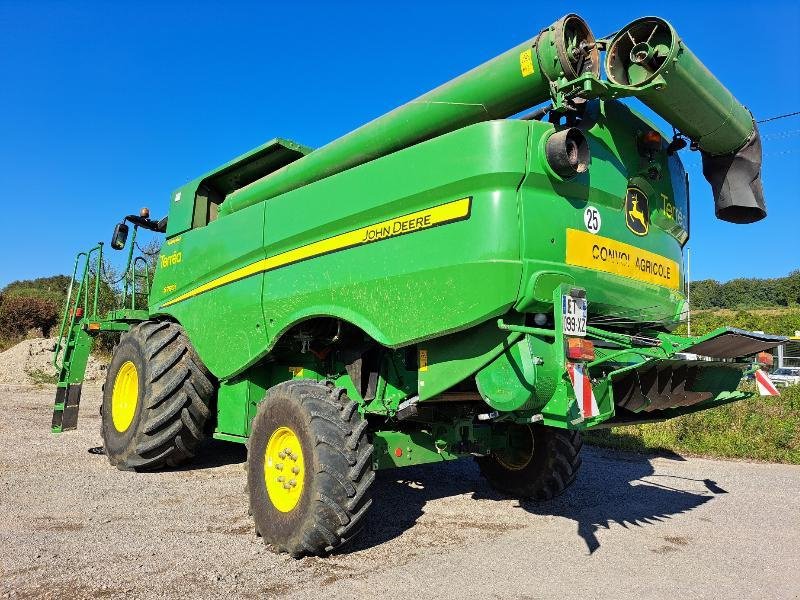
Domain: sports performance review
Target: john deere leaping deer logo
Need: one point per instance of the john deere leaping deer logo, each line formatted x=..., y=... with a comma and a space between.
x=637, y=212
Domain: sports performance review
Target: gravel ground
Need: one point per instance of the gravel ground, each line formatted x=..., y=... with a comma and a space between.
x=73, y=527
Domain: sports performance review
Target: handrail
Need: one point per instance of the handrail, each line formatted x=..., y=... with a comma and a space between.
x=67, y=303
x=79, y=301
x=73, y=302
x=130, y=280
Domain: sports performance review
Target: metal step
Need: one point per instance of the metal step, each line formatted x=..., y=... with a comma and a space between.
x=65, y=408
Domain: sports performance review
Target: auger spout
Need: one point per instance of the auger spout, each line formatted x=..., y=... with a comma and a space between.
x=648, y=58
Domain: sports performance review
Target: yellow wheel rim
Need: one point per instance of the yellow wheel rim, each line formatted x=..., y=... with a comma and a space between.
x=517, y=458
x=125, y=396
x=284, y=469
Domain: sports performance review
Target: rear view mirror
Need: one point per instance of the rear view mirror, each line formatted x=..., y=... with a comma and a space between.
x=120, y=236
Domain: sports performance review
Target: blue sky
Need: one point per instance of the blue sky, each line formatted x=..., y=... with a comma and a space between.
x=107, y=107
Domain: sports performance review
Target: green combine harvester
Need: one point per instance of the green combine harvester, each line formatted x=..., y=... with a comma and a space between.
x=450, y=280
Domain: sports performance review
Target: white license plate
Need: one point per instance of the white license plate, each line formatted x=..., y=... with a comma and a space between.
x=574, y=311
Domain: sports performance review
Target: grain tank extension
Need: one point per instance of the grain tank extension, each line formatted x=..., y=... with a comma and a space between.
x=485, y=271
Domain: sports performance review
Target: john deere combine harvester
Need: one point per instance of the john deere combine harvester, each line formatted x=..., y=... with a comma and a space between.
x=446, y=281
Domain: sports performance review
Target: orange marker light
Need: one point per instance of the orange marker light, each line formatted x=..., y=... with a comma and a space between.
x=398, y=452
x=579, y=348
x=650, y=141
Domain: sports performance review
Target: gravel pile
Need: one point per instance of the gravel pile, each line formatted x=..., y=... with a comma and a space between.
x=36, y=356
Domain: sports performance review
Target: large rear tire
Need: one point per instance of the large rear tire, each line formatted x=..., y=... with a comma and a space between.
x=156, y=398
x=540, y=463
x=309, y=468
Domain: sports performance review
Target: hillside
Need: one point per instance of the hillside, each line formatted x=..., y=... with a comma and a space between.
x=775, y=320
x=52, y=288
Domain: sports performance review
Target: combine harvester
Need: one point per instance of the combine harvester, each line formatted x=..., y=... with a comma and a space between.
x=447, y=281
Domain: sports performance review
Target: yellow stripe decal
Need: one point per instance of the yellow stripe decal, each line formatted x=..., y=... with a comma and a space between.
x=423, y=219
x=604, y=254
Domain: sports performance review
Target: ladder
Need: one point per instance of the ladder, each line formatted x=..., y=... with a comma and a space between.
x=81, y=323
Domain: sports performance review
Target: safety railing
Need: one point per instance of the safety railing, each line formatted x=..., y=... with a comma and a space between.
x=138, y=271
x=83, y=292
x=78, y=302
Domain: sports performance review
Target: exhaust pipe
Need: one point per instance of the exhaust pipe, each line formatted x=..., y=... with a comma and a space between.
x=647, y=57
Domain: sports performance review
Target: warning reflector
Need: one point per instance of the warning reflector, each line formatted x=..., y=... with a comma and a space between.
x=583, y=390
x=765, y=385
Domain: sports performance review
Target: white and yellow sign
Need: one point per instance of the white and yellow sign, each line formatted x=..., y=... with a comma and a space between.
x=526, y=62
x=610, y=256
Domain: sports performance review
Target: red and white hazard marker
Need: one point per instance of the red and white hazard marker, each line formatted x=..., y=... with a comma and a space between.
x=765, y=385
x=583, y=390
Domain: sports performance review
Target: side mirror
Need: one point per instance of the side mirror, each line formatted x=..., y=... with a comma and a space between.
x=120, y=236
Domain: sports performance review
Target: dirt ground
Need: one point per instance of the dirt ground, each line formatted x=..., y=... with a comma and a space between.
x=71, y=526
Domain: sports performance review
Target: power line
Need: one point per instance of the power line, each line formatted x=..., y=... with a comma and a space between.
x=792, y=114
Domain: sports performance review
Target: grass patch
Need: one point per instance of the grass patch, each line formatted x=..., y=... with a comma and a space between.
x=766, y=429
x=39, y=377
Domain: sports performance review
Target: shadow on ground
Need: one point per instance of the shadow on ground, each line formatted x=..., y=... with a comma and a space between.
x=211, y=454
x=611, y=488
x=215, y=453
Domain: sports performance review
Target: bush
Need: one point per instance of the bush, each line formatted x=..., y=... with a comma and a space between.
x=19, y=314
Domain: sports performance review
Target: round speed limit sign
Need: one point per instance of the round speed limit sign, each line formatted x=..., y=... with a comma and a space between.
x=591, y=218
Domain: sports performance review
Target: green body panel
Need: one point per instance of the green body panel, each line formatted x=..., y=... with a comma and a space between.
x=393, y=289
x=549, y=207
x=448, y=358
x=415, y=448
x=396, y=289
x=226, y=326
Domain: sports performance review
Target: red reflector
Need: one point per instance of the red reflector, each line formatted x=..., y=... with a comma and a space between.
x=398, y=452
x=580, y=348
x=79, y=312
x=764, y=358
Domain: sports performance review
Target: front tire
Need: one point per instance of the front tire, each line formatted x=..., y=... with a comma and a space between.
x=309, y=468
x=156, y=398
x=540, y=463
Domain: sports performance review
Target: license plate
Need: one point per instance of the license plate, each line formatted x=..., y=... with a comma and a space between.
x=574, y=311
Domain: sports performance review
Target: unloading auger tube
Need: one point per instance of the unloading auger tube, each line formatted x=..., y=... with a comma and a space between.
x=648, y=58
x=517, y=79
